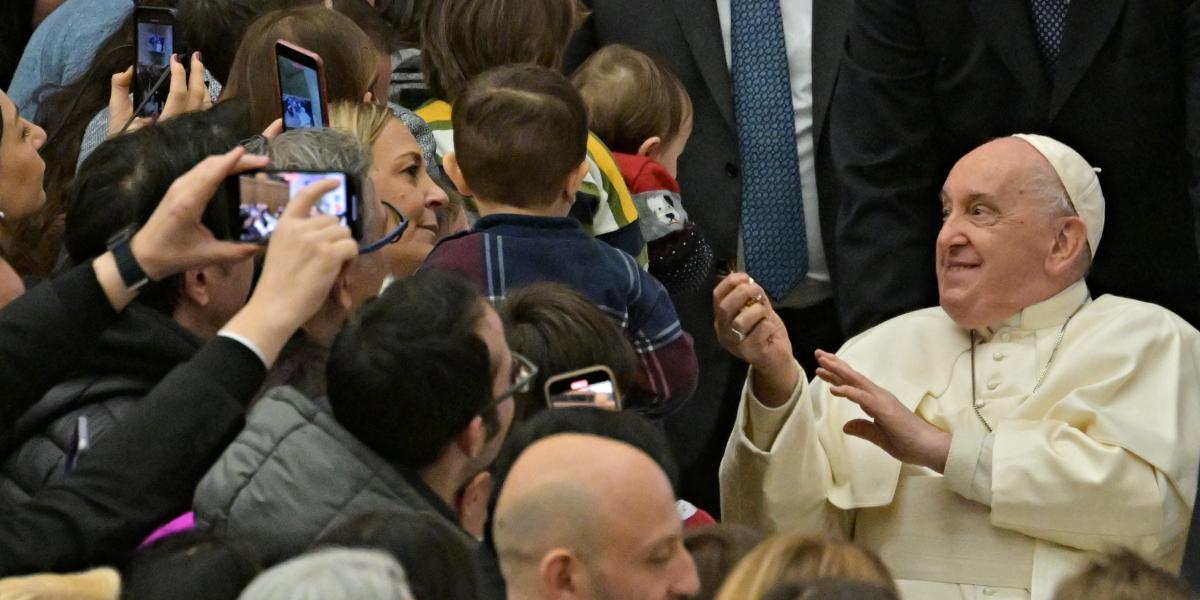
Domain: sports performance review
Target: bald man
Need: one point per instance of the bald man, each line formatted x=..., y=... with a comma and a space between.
x=988, y=446
x=590, y=518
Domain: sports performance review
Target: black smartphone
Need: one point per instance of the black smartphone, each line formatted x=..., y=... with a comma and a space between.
x=593, y=386
x=262, y=196
x=155, y=43
x=301, y=83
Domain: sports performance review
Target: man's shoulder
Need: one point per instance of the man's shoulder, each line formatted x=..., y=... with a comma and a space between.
x=1127, y=314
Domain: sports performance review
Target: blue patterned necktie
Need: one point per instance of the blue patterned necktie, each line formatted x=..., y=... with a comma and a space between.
x=1049, y=16
x=773, y=233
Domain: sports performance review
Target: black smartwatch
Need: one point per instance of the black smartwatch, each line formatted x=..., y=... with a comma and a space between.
x=127, y=265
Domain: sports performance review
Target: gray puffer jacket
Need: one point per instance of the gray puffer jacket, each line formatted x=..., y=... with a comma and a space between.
x=293, y=475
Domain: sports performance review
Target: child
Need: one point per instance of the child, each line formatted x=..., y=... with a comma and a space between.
x=643, y=113
x=520, y=134
x=462, y=38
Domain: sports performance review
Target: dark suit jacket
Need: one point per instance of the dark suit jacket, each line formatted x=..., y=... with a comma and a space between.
x=687, y=35
x=925, y=81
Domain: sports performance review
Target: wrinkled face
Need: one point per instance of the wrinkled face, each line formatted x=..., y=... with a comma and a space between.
x=400, y=178
x=642, y=555
x=668, y=154
x=997, y=233
x=21, y=168
x=491, y=331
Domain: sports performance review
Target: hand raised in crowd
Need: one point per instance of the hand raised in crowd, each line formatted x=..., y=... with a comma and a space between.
x=306, y=254
x=188, y=93
x=894, y=428
x=173, y=240
x=750, y=329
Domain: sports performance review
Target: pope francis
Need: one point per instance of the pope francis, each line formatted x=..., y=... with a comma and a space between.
x=983, y=448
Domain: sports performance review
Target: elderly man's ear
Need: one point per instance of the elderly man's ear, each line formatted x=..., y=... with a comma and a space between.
x=560, y=570
x=1070, y=244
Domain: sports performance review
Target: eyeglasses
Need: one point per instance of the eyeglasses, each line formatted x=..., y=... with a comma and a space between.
x=392, y=237
x=522, y=376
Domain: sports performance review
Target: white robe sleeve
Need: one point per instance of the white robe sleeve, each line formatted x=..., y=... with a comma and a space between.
x=775, y=474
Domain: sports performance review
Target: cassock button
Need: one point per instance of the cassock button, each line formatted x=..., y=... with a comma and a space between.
x=992, y=385
x=999, y=356
x=989, y=592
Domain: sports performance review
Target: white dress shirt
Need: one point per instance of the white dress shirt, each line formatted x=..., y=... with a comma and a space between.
x=797, y=33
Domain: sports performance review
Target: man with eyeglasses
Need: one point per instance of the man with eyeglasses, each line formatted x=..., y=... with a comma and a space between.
x=421, y=384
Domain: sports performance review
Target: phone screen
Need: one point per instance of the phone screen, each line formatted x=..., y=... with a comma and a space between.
x=155, y=45
x=593, y=388
x=300, y=86
x=264, y=195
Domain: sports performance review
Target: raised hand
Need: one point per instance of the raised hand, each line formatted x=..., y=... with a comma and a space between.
x=751, y=330
x=893, y=427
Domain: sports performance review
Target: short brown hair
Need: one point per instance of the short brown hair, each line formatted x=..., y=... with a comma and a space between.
x=716, y=550
x=347, y=52
x=519, y=132
x=462, y=38
x=1123, y=575
x=631, y=97
x=560, y=330
x=796, y=557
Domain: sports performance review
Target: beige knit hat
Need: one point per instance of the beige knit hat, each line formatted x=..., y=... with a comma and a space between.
x=1079, y=177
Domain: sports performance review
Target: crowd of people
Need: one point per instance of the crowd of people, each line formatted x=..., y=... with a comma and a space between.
x=623, y=299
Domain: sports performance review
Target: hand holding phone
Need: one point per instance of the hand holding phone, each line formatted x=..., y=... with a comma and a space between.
x=301, y=83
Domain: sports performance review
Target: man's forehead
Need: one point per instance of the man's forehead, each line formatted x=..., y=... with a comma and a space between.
x=996, y=170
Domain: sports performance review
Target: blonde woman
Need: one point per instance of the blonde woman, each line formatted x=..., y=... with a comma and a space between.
x=794, y=557
x=401, y=180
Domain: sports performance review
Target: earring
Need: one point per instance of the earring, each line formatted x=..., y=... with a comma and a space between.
x=3, y=216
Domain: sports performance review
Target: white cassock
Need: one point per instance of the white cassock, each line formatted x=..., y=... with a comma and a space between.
x=1103, y=453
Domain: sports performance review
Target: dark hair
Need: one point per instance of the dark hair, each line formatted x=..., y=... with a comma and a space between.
x=631, y=97
x=383, y=37
x=216, y=27
x=439, y=564
x=519, y=132
x=409, y=371
x=347, y=53
x=560, y=330
x=122, y=182
x=461, y=39
x=624, y=426
x=829, y=589
x=716, y=550
x=405, y=18
x=189, y=565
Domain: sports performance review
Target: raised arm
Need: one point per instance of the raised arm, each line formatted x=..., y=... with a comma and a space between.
x=147, y=469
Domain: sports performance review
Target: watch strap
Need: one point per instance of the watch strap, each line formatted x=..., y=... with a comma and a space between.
x=127, y=265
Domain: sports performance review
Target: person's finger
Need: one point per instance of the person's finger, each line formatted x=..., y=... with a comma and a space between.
x=120, y=106
x=228, y=252
x=829, y=377
x=727, y=285
x=197, y=92
x=743, y=296
x=177, y=92
x=843, y=370
x=867, y=430
x=749, y=318
x=274, y=129
x=345, y=250
x=864, y=399
x=302, y=203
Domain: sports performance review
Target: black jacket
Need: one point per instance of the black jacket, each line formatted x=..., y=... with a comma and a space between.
x=127, y=362
x=925, y=81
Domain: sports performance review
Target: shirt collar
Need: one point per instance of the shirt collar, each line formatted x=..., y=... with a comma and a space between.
x=1048, y=313
x=414, y=479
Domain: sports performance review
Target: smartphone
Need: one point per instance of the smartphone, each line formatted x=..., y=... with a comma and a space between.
x=262, y=196
x=155, y=43
x=593, y=386
x=301, y=83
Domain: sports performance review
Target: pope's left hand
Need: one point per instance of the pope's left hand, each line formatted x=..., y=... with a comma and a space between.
x=894, y=428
